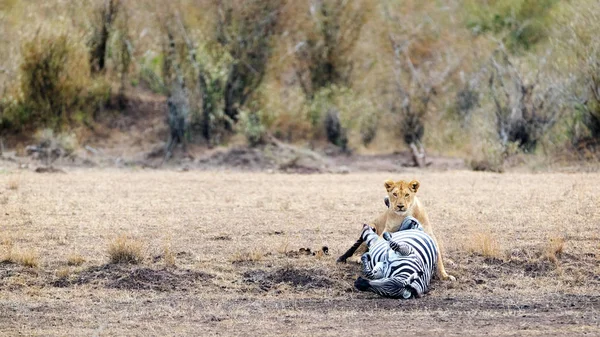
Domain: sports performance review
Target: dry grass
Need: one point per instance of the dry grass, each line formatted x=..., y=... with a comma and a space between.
x=75, y=260
x=13, y=184
x=26, y=258
x=168, y=255
x=483, y=244
x=125, y=250
x=553, y=249
x=273, y=289
x=247, y=256
x=63, y=272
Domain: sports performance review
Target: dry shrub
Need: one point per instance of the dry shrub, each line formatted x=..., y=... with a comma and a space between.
x=580, y=54
x=323, y=53
x=27, y=258
x=525, y=110
x=63, y=272
x=168, y=256
x=75, y=260
x=250, y=256
x=13, y=184
x=98, y=43
x=55, y=86
x=553, y=249
x=125, y=250
x=485, y=245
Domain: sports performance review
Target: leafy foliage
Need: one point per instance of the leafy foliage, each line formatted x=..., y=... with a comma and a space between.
x=55, y=84
x=522, y=22
x=324, y=53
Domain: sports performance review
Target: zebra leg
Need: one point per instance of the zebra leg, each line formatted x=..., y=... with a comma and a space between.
x=350, y=252
x=362, y=284
x=366, y=262
x=388, y=287
x=367, y=233
x=402, y=248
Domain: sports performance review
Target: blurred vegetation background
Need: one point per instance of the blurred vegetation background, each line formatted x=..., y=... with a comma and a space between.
x=484, y=80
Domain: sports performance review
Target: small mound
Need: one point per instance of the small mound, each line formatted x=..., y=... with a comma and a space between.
x=271, y=156
x=123, y=277
x=298, y=278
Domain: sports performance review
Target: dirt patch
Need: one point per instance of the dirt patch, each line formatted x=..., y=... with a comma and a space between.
x=272, y=156
x=14, y=277
x=48, y=169
x=124, y=277
x=296, y=277
x=308, y=252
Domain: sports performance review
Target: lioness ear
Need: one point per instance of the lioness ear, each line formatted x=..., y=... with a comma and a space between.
x=414, y=186
x=389, y=185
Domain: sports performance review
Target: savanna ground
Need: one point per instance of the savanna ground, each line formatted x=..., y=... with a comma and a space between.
x=223, y=254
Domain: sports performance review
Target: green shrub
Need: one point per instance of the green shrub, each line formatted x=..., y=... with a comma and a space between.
x=252, y=128
x=55, y=87
x=48, y=84
x=523, y=23
x=323, y=54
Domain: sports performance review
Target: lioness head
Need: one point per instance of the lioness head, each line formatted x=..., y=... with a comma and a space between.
x=401, y=194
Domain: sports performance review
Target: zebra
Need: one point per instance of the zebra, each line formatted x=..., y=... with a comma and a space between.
x=398, y=265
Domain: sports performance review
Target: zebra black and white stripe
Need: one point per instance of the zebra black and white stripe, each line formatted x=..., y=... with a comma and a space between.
x=398, y=265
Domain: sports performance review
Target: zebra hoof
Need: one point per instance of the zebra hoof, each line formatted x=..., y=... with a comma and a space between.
x=361, y=284
x=365, y=258
x=387, y=236
x=341, y=259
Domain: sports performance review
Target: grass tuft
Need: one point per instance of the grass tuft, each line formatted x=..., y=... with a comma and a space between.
x=251, y=256
x=63, y=272
x=75, y=260
x=13, y=184
x=125, y=250
x=485, y=245
x=168, y=256
x=553, y=249
x=25, y=258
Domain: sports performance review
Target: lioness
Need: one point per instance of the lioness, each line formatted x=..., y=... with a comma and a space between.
x=403, y=202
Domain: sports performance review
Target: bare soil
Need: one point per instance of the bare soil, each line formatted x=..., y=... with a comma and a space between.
x=255, y=254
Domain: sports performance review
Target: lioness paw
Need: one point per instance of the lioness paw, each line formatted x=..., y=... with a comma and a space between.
x=449, y=277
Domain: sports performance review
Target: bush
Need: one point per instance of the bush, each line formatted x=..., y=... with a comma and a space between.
x=369, y=123
x=223, y=74
x=49, y=86
x=323, y=54
x=245, y=29
x=582, y=50
x=106, y=14
x=467, y=99
x=55, y=87
x=336, y=134
x=252, y=128
x=523, y=22
x=525, y=111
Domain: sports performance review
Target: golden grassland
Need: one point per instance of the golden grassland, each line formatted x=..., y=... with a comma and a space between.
x=225, y=253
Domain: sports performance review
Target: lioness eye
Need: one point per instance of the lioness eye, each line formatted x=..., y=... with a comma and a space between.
x=395, y=194
x=406, y=196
